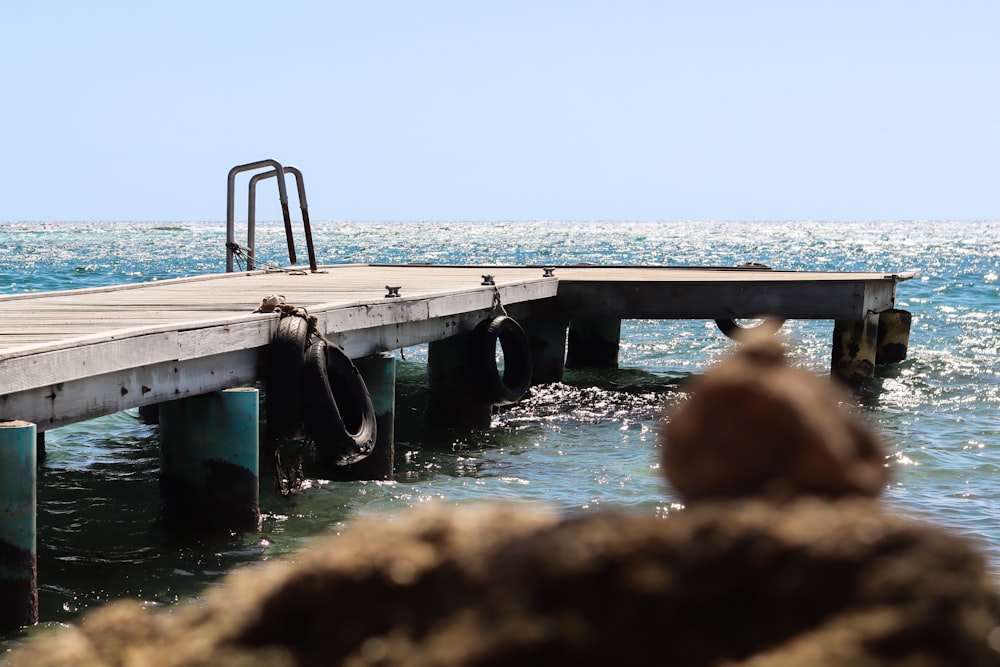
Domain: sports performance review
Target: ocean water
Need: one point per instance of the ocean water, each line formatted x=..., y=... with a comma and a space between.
x=583, y=445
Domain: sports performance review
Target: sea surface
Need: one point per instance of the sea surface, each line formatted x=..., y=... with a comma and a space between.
x=584, y=445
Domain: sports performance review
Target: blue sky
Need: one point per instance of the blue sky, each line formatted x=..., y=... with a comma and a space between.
x=503, y=110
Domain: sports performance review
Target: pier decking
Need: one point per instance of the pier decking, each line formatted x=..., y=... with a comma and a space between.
x=74, y=355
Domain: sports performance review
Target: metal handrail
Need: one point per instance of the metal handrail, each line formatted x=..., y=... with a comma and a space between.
x=303, y=205
x=277, y=168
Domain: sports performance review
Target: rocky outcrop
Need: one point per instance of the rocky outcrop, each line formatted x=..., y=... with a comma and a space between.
x=739, y=583
x=782, y=558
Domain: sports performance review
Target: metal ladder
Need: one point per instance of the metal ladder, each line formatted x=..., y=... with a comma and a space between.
x=276, y=169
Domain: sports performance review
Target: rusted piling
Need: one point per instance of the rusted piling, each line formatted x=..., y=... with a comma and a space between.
x=854, y=342
x=893, y=336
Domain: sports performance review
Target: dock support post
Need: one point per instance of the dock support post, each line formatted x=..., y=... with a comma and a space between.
x=593, y=343
x=853, y=359
x=379, y=374
x=150, y=414
x=548, y=349
x=449, y=399
x=893, y=336
x=209, y=461
x=18, y=557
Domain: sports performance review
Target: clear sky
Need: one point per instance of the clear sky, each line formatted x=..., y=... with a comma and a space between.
x=503, y=109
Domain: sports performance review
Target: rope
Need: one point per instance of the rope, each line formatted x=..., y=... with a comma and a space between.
x=497, y=302
x=241, y=253
x=288, y=478
x=276, y=303
x=291, y=478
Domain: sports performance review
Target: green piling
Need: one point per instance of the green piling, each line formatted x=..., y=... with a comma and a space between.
x=209, y=461
x=18, y=557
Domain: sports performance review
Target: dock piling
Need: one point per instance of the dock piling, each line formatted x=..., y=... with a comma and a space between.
x=40, y=452
x=593, y=343
x=854, y=342
x=379, y=374
x=149, y=414
x=893, y=336
x=209, y=460
x=450, y=401
x=548, y=348
x=18, y=556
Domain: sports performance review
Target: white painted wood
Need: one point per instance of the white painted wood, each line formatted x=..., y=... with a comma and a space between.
x=72, y=355
x=86, y=398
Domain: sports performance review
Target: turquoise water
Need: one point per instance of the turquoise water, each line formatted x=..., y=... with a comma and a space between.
x=580, y=446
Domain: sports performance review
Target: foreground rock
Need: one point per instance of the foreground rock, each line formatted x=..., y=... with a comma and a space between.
x=757, y=426
x=749, y=583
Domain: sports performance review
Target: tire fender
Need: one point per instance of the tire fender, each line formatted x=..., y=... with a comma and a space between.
x=735, y=330
x=283, y=375
x=337, y=410
x=487, y=380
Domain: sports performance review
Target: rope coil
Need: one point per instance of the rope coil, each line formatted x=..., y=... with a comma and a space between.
x=276, y=303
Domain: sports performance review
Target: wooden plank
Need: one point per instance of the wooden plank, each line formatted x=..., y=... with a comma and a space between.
x=94, y=396
x=45, y=368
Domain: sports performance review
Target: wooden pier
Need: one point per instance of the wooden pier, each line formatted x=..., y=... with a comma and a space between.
x=74, y=355
x=195, y=347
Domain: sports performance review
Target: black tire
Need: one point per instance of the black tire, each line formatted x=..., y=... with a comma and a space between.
x=337, y=410
x=735, y=330
x=283, y=376
x=488, y=382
